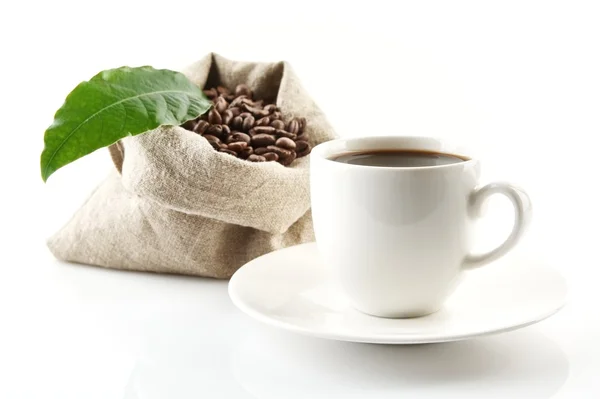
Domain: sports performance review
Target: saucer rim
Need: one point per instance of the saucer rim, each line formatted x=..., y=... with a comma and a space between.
x=390, y=339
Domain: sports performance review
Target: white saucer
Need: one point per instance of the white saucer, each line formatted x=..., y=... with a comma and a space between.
x=289, y=289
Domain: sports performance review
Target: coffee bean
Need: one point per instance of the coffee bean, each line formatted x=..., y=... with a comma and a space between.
x=210, y=93
x=301, y=145
x=283, y=133
x=237, y=146
x=302, y=148
x=227, y=116
x=285, y=143
x=270, y=108
x=237, y=101
x=279, y=151
x=248, y=108
x=201, y=127
x=246, y=152
x=263, y=121
x=243, y=90
x=301, y=136
x=261, y=150
x=226, y=130
x=287, y=160
x=221, y=105
x=264, y=129
x=293, y=126
x=215, y=130
x=228, y=151
x=213, y=141
x=223, y=91
x=262, y=140
x=278, y=124
x=230, y=139
x=238, y=136
x=236, y=123
x=248, y=123
x=271, y=156
x=257, y=112
x=256, y=158
x=190, y=125
x=214, y=118
x=302, y=122
x=241, y=126
x=211, y=138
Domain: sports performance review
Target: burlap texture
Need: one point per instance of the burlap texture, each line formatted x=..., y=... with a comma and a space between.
x=178, y=206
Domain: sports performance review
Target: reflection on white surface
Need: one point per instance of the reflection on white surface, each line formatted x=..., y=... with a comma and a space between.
x=187, y=363
x=271, y=364
x=106, y=334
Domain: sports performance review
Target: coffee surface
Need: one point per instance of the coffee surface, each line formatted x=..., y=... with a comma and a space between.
x=397, y=158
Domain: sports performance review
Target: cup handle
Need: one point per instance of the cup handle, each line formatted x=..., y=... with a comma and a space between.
x=522, y=205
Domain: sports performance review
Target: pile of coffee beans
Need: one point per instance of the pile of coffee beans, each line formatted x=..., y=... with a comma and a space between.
x=249, y=129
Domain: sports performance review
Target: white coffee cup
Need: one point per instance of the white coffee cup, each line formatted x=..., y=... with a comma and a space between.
x=398, y=239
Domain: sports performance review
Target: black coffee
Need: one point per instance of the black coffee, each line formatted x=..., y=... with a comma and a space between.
x=397, y=158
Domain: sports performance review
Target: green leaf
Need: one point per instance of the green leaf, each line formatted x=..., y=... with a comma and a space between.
x=114, y=104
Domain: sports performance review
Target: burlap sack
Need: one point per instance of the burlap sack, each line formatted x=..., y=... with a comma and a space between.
x=178, y=206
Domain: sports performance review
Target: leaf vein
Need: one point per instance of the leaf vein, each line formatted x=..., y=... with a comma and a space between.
x=49, y=162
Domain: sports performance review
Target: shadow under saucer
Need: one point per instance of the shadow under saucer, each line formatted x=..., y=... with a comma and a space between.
x=275, y=364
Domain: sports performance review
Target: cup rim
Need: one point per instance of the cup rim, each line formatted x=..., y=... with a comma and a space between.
x=324, y=151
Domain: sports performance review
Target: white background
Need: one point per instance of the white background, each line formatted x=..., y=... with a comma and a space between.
x=517, y=80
